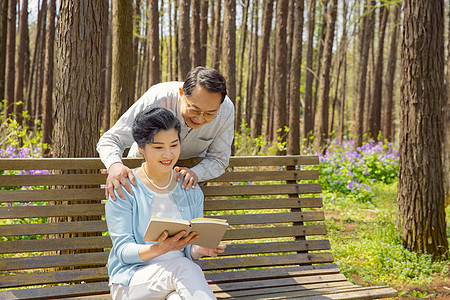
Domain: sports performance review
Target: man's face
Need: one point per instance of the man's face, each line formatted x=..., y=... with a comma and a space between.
x=201, y=107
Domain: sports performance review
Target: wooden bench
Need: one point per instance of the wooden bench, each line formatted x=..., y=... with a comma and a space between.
x=277, y=246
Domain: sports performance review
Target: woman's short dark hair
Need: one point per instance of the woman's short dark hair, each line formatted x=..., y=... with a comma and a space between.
x=150, y=121
x=208, y=78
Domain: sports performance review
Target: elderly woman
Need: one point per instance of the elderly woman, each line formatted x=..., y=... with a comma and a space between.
x=162, y=269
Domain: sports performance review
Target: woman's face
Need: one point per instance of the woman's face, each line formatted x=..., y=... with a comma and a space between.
x=162, y=154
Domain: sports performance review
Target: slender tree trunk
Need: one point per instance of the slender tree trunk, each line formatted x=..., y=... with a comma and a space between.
x=253, y=65
x=375, y=109
x=47, y=118
x=240, y=79
x=257, y=115
x=184, y=35
x=229, y=47
x=122, y=89
x=280, y=120
x=365, y=38
x=3, y=35
x=20, y=63
x=203, y=31
x=446, y=127
x=153, y=43
x=344, y=41
x=308, y=123
x=295, y=71
x=389, y=107
x=195, y=34
x=108, y=78
x=216, y=45
x=175, y=40
x=10, y=59
x=289, y=41
x=39, y=82
x=421, y=188
x=321, y=124
x=105, y=28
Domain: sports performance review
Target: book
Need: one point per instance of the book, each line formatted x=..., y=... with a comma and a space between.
x=210, y=230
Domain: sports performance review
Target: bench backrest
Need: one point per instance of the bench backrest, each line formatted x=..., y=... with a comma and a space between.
x=271, y=215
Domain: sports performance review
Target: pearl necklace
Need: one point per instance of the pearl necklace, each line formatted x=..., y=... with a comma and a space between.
x=154, y=184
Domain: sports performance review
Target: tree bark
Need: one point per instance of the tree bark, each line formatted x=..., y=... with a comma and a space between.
x=184, y=35
x=308, y=123
x=10, y=59
x=366, y=28
x=20, y=63
x=253, y=65
x=153, y=43
x=3, y=35
x=257, y=115
x=195, y=34
x=229, y=47
x=243, y=39
x=105, y=30
x=390, y=75
x=344, y=41
x=321, y=124
x=108, y=79
x=421, y=186
x=122, y=88
x=375, y=107
x=280, y=120
x=446, y=127
x=47, y=118
x=39, y=82
x=216, y=45
x=203, y=31
x=294, y=86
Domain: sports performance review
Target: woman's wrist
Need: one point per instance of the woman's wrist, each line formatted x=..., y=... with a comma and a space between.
x=195, y=254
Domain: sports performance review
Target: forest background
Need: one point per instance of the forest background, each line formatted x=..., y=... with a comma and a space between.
x=305, y=76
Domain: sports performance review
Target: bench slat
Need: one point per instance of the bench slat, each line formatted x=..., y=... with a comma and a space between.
x=252, y=190
x=51, y=195
x=272, y=247
x=274, y=232
x=100, y=179
x=279, y=282
x=39, y=278
x=19, y=212
x=51, y=261
x=250, y=204
x=269, y=273
x=53, y=228
x=264, y=261
x=40, y=245
x=56, y=292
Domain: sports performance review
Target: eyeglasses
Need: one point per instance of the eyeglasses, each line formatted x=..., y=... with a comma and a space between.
x=196, y=112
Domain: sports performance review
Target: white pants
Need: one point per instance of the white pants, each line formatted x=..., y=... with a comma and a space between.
x=174, y=279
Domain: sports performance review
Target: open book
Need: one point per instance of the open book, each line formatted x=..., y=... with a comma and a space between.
x=211, y=230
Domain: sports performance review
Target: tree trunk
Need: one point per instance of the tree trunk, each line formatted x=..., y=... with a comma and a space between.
x=47, y=118
x=366, y=28
x=295, y=71
x=195, y=34
x=308, y=123
x=257, y=115
x=229, y=47
x=3, y=34
x=122, y=89
x=203, y=31
x=375, y=108
x=184, y=35
x=175, y=40
x=10, y=59
x=20, y=63
x=243, y=39
x=344, y=41
x=153, y=43
x=446, y=127
x=390, y=75
x=289, y=40
x=421, y=188
x=280, y=120
x=216, y=44
x=321, y=124
x=39, y=82
x=252, y=66
x=104, y=67
x=108, y=78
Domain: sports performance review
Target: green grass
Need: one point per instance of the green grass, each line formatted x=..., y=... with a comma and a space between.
x=366, y=243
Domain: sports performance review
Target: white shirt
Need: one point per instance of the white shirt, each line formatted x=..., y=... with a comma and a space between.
x=211, y=141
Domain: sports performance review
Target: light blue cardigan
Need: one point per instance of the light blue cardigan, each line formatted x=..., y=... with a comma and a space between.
x=128, y=219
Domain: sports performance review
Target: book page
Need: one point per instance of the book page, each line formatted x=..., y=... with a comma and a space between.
x=211, y=233
x=157, y=226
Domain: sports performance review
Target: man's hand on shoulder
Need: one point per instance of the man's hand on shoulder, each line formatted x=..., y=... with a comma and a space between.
x=117, y=175
x=190, y=178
